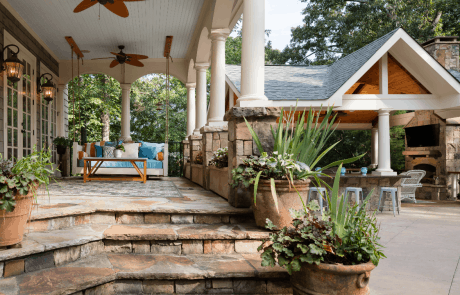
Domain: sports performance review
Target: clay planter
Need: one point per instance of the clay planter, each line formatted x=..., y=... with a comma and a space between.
x=287, y=198
x=218, y=181
x=12, y=224
x=332, y=279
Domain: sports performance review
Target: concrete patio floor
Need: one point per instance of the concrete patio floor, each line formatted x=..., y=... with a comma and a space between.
x=422, y=249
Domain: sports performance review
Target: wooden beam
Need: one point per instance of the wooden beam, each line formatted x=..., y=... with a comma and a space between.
x=74, y=46
x=168, y=46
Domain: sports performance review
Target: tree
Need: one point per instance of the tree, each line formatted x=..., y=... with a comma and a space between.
x=334, y=28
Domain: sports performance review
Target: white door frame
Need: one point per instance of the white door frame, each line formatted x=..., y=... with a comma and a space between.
x=27, y=55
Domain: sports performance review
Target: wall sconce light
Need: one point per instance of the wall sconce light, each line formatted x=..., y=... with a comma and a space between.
x=47, y=88
x=13, y=66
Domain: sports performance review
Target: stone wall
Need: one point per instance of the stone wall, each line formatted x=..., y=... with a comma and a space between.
x=241, y=145
x=214, y=138
x=445, y=50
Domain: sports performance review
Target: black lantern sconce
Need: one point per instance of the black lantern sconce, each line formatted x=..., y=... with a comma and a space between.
x=48, y=88
x=12, y=65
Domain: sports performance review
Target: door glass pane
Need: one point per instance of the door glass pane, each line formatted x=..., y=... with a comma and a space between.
x=10, y=153
x=10, y=137
x=10, y=117
x=15, y=118
x=29, y=91
x=15, y=99
x=10, y=97
x=15, y=137
x=28, y=123
x=15, y=153
x=24, y=104
x=29, y=105
x=29, y=141
x=24, y=86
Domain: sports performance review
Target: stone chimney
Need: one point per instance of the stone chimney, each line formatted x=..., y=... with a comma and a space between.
x=445, y=49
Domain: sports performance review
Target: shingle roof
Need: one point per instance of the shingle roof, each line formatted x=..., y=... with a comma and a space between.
x=288, y=82
x=455, y=74
x=311, y=82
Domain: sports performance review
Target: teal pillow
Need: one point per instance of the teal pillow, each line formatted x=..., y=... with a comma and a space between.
x=98, y=151
x=112, y=143
x=148, y=152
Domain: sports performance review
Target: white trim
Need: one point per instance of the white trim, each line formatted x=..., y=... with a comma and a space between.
x=388, y=96
x=232, y=86
x=28, y=28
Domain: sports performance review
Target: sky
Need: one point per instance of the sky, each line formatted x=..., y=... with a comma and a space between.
x=280, y=16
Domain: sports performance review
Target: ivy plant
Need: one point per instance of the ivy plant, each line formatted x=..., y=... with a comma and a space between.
x=23, y=176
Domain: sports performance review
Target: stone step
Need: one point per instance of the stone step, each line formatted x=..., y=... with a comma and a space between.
x=57, y=247
x=153, y=274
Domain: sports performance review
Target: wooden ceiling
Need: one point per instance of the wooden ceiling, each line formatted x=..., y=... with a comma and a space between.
x=400, y=81
x=345, y=117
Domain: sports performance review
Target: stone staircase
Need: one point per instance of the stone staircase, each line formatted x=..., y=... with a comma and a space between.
x=162, y=252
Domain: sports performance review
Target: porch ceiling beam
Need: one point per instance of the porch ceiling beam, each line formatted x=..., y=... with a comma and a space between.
x=168, y=45
x=74, y=46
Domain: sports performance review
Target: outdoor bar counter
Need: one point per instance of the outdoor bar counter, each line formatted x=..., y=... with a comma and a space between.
x=367, y=183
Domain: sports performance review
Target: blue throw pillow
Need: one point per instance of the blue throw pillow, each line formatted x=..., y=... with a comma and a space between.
x=112, y=143
x=149, y=152
x=98, y=151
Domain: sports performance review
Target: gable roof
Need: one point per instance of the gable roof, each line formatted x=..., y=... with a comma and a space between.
x=455, y=74
x=288, y=82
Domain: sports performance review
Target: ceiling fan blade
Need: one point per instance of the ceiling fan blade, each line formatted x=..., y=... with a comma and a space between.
x=116, y=54
x=85, y=4
x=137, y=56
x=118, y=7
x=114, y=63
x=103, y=58
x=134, y=62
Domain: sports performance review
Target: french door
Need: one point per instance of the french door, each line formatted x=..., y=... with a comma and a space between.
x=48, y=126
x=19, y=112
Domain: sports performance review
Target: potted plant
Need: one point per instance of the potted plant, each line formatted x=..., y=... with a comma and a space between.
x=61, y=144
x=331, y=254
x=220, y=158
x=18, y=186
x=199, y=158
x=297, y=147
x=119, y=149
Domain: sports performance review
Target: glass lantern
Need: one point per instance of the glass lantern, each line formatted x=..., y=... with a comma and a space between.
x=14, y=68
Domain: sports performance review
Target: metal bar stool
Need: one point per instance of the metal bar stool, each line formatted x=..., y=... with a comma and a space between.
x=392, y=191
x=356, y=191
x=320, y=192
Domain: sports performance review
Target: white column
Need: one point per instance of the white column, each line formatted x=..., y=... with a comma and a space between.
x=125, y=113
x=217, y=101
x=230, y=98
x=190, y=108
x=61, y=109
x=384, y=164
x=253, y=53
x=201, y=96
x=375, y=147
x=454, y=180
x=383, y=74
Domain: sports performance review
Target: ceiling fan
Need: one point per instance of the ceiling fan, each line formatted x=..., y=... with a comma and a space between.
x=116, y=6
x=121, y=58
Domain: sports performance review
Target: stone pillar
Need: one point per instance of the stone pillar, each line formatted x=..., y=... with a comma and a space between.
x=125, y=113
x=253, y=53
x=191, y=112
x=384, y=158
x=217, y=101
x=214, y=138
x=445, y=49
x=200, y=119
x=241, y=146
x=374, y=148
x=186, y=154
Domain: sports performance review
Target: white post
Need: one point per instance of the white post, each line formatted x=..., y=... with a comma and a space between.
x=201, y=96
x=383, y=74
x=375, y=148
x=191, y=112
x=230, y=98
x=125, y=113
x=61, y=108
x=253, y=53
x=217, y=101
x=384, y=164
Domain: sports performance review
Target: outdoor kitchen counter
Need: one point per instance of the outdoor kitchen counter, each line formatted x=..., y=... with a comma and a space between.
x=367, y=183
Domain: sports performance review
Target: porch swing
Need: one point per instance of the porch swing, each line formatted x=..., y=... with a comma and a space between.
x=155, y=166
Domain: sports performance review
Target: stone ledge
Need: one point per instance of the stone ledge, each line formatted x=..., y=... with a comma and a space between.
x=209, y=129
x=126, y=269
x=239, y=113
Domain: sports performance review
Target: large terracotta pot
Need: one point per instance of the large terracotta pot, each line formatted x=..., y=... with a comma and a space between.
x=287, y=198
x=332, y=279
x=12, y=224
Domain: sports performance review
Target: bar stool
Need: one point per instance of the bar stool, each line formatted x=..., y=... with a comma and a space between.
x=320, y=192
x=392, y=191
x=356, y=191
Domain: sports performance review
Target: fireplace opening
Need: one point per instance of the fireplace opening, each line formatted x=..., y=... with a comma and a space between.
x=430, y=172
x=423, y=136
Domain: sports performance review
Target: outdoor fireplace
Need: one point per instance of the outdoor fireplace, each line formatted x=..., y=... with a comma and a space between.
x=432, y=145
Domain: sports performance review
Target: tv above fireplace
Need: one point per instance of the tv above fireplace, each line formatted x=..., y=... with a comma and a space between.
x=423, y=136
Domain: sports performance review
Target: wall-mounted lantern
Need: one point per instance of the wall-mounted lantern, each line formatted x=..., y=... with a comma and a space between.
x=12, y=65
x=47, y=88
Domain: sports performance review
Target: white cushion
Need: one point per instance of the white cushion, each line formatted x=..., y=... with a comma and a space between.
x=79, y=148
x=88, y=148
x=131, y=150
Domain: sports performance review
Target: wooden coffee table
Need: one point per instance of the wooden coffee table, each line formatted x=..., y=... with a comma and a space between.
x=89, y=173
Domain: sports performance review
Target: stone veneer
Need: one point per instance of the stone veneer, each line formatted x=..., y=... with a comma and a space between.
x=445, y=50
x=241, y=145
x=186, y=153
x=445, y=157
x=214, y=138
